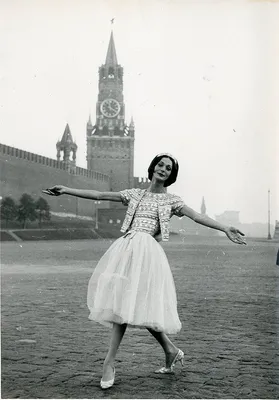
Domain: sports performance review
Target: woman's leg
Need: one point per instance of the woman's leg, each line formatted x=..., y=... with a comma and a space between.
x=169, y=348
x=116, y=337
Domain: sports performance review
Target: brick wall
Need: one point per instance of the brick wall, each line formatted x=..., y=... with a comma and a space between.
x=20, y=175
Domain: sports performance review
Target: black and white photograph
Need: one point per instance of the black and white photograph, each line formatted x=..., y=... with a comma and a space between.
x=139, y=199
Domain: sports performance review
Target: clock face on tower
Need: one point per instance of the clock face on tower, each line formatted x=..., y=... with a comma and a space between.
x=110, y=108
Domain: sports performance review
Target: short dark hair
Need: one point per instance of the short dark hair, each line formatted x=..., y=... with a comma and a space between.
x=174, y=171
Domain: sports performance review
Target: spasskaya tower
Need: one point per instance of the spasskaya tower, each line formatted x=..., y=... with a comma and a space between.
x=110, y=142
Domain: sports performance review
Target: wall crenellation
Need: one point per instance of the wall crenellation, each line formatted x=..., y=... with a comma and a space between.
x=49, y=162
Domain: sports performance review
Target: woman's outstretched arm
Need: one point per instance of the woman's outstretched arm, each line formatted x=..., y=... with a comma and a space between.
x=234, y=234
x=58, y=190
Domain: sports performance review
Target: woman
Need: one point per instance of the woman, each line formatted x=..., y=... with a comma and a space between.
x=132, y=285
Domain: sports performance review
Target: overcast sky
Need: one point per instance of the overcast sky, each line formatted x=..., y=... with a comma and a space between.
x=200, y=79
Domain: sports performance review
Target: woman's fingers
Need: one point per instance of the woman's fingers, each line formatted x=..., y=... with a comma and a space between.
x=53, y=191
x=240, y=240
x=46, y=191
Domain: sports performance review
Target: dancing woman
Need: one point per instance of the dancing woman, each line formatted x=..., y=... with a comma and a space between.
x=132, y=284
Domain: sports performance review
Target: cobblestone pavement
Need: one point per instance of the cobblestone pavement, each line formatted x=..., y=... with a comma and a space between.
x=228, y=305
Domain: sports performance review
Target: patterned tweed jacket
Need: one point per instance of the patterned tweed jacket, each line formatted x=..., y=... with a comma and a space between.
x=168, y=205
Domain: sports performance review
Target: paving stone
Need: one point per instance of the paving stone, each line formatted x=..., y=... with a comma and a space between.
x=228, y=307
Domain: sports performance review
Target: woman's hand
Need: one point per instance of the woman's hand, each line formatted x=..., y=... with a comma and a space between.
x=234, y=235
x=56, y=190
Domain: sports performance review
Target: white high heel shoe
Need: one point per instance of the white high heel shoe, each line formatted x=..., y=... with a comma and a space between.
x=108, y=384
x=179, y=357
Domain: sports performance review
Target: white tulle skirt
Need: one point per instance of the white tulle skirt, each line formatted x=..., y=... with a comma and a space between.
x=133, y=284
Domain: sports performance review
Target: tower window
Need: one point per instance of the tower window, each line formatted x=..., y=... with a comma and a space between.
x=111, y=72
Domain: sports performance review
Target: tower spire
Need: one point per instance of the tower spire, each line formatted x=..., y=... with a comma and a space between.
x=67, y=136
x=132, y=124
x=89, y=123
x=111, y=58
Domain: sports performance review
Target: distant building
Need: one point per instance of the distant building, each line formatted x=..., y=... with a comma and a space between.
x=228, y=218
x=253, y=229
x=256, y=229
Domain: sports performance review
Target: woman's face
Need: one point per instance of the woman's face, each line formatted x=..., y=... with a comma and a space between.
x=163, y=169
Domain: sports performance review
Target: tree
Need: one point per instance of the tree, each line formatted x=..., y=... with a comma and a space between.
x=8, y=210
x=26, y=209
x=43, y=210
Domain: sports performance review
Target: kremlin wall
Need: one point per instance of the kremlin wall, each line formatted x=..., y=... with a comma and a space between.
x=25, y=172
